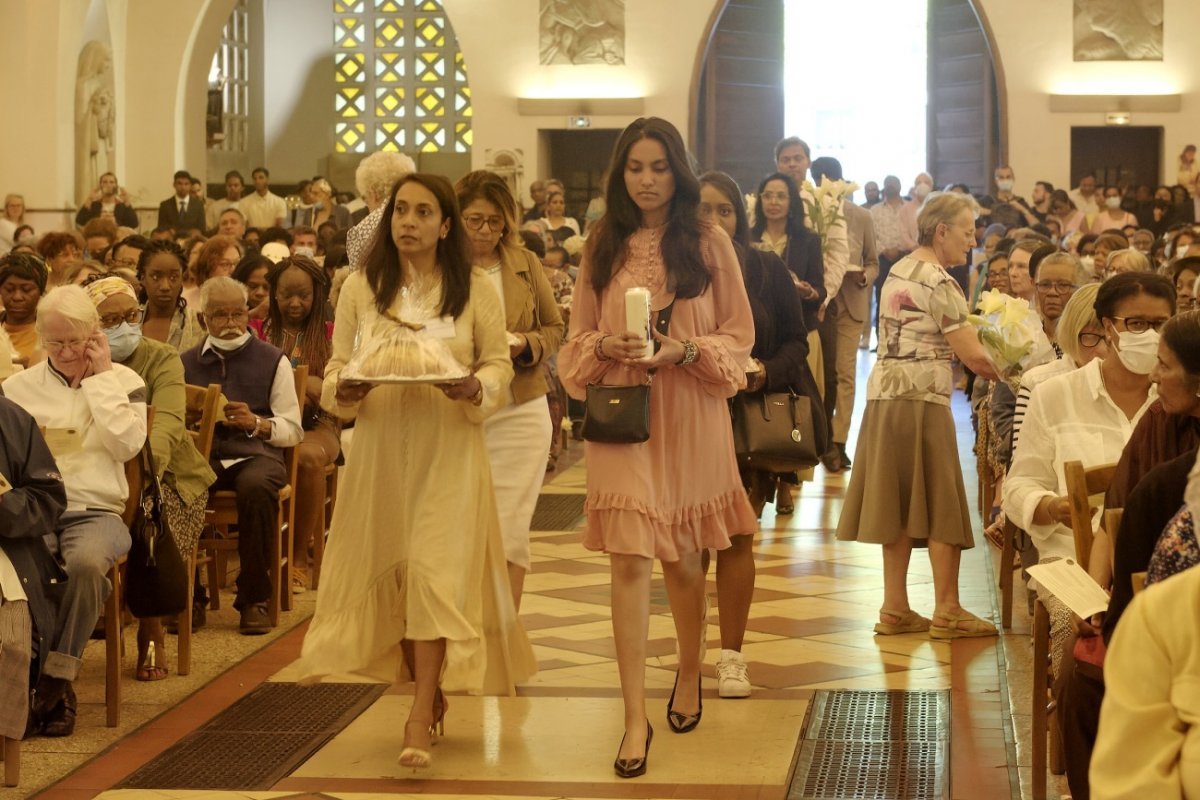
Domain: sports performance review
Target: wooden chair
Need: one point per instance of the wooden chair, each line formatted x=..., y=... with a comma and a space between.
x=204, y=401
x=1082, y=485
x=1008, y=556
x=10, y=751
x=114, y=630
x=222, y=515
x=318, y=544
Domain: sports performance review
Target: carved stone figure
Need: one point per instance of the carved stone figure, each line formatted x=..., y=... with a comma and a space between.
x=95, y=118
x=582, y=32
x=1118, y=30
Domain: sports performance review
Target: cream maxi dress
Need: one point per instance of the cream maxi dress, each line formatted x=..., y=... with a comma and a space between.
x=414, y=549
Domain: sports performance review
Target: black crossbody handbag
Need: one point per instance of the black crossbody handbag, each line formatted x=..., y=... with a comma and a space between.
x=621, y=414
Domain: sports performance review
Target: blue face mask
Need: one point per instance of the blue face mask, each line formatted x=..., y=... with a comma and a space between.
x=123, y=340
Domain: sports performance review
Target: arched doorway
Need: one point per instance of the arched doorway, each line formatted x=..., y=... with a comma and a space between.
x=739, y=85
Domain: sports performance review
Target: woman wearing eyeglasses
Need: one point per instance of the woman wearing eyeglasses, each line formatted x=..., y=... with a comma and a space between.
x=219, y=256
x=166, y=316
x=1086, y=415
x=184, y=473
x=93, y=413
x=518, y=435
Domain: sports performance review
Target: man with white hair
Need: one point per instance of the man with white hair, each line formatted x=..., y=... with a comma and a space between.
x=258, y=422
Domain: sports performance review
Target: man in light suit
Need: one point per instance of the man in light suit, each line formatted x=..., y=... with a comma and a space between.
x=851, y=306
x=182, y=211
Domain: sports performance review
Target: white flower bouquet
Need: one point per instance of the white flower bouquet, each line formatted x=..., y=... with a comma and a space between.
x=1011, y=335
x=823, y=204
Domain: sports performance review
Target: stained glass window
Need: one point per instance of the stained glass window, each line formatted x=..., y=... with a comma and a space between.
x=399, y=78
x=230, y=76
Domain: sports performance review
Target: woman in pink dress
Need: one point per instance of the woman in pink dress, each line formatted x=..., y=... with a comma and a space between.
x=678, y=493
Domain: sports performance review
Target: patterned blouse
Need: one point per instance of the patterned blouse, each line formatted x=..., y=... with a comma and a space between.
x=1177, y=548
x=920, y=303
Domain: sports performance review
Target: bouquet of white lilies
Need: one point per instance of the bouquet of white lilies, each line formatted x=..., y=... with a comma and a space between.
x=823, y=204
x=1011, y=335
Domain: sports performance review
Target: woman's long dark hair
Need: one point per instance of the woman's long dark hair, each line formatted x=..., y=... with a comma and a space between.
x=314, y=347
x=686, y=273
x=795, y=216
x=453, y=253
x=727, y=186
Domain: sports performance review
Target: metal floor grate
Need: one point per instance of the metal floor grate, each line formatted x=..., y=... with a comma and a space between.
x=258, y=740
x=884, y=745
x=558, y=512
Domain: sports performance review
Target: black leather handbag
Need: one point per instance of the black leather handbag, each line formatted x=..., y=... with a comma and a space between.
x=775, y=431
x=621, y=414
x=156, y=575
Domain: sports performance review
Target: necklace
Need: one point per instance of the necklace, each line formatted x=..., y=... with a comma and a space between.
x=492, y=269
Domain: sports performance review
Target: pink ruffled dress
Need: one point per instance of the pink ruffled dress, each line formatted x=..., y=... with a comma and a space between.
x=680, y=491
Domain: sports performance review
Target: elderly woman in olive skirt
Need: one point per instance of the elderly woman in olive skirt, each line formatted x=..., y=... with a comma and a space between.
x=907, y=487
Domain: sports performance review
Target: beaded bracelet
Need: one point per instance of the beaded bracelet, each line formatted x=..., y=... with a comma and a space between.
x=600, y=349
x=690, y=353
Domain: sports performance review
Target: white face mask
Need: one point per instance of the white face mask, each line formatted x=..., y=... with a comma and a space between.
x=1089, y=264
x=922, y=189
x=1138, y=351
x=1112, y=202
x=1004, y=185
x=304, y=250
x=229, y=345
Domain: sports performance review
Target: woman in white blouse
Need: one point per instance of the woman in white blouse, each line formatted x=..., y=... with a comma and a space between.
x=1087, y=415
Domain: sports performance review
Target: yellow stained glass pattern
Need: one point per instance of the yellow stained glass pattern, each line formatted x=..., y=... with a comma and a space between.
x=430, y=66
x=349, y=68
x=390, y=67
x=350, y=137
x=390, y=136
x=430, y=101
x=430, y=32
x=389, y=102
x=389, y=32
x=348, y=33
x=401, y=81
x=350, y=102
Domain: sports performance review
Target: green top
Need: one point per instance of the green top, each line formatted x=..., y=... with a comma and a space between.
x=176, y=459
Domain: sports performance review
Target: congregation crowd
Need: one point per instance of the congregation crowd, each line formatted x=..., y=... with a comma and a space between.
x=428, y=544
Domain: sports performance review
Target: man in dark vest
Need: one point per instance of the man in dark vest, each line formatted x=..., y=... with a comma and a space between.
x=261, y=418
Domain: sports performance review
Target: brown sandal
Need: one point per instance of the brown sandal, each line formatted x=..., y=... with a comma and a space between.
x=961, y=626
x=907, y=622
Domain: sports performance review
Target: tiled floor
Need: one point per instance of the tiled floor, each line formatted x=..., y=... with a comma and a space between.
x=810, y=628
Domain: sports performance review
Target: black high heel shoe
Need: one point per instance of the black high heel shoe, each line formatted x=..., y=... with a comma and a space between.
x=633, y=767
x=682, y=723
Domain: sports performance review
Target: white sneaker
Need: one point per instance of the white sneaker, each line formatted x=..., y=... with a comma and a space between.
x=732, y=678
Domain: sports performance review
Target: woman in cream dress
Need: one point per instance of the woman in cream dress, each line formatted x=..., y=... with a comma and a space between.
x=415, y=584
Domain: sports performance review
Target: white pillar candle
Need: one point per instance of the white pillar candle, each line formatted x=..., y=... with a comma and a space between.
x=637, y=316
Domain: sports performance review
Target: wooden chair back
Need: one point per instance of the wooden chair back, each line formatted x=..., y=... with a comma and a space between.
x=1138, y=579
x=1112, y=524
x=1082, y=485
x=135, y=476
x=206, y=401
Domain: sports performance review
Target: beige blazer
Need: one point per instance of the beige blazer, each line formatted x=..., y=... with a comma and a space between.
x=530, y=310
x=854, y=298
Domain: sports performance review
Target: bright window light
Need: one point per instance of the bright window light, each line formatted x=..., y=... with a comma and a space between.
x=855, y=84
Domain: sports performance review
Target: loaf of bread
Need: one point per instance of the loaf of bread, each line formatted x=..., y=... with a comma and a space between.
x=400, y=355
